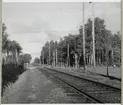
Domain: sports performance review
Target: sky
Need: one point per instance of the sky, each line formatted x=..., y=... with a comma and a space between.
x=32, y=24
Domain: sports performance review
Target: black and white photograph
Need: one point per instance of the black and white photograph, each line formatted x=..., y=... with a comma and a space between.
x=61, y=52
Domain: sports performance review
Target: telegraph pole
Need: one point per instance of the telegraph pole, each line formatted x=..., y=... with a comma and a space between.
x=43, y=58
x=107, y=61
x=56, y=57
x=83, y=38
x=49, y=51
x=93, y=36
x=61, y=58
x=68, y=57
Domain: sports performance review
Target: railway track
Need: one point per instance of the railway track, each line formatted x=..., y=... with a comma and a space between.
x=98, y=92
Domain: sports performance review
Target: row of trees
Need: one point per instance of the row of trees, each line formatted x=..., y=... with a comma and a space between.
x=12, y=59
x=69, y=51
x=12, y=51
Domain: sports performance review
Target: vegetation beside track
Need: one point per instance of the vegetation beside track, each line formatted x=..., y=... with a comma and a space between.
x=12, y=59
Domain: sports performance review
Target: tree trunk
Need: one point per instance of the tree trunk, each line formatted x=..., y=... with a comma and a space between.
x=54, y=59
x=89, y=60
x=16, y=56
x=76, y=63
x=107, y=61
x=99, y=57
x=112, y=57
x=3, y=58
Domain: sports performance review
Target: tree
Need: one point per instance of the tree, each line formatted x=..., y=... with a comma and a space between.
x=4, y=37
x=116, y=45
x=9, y=46
x=107, y=45
x=101, y=36
x=37, y=60
x=26, y=58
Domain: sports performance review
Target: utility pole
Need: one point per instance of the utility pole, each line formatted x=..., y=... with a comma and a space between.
x=49, y=51
x=56, y=57
x=107, y=61
x=83, y=38
x=61, y=58
x=68, y=56
x=76, y=57
x=112, y=52
x=76, y=65
x=43, y=58
x=93, y=35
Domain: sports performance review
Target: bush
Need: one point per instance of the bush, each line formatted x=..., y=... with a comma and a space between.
x=10, y=73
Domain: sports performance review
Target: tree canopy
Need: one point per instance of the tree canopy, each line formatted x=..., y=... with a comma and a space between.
x=12, y=49
x=37, y=60
x=26, y=58
x=104, y=40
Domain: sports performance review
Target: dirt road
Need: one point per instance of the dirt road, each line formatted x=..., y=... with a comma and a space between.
x=34, y=86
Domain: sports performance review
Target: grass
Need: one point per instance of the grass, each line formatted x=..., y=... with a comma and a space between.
x=10, y=74
x=114, y=72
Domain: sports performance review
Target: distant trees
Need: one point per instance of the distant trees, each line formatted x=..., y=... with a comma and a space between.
x=107, y=47
x=25, y=58
x=37, y=60
x=116, y=43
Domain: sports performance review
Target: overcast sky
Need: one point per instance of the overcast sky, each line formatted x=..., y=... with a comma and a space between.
x=30, y=23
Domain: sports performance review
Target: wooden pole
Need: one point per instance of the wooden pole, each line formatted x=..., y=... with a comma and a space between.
x=56, y=57
x=43, y=58
x=107, y=61
x=93, y=35
x=49, y=52
x=112, y=52
x=83, y=38
x=68, y=56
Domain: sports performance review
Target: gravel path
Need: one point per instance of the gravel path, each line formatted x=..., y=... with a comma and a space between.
x=34, y=86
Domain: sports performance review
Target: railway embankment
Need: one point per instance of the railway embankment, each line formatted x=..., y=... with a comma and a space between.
x=90, y=75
